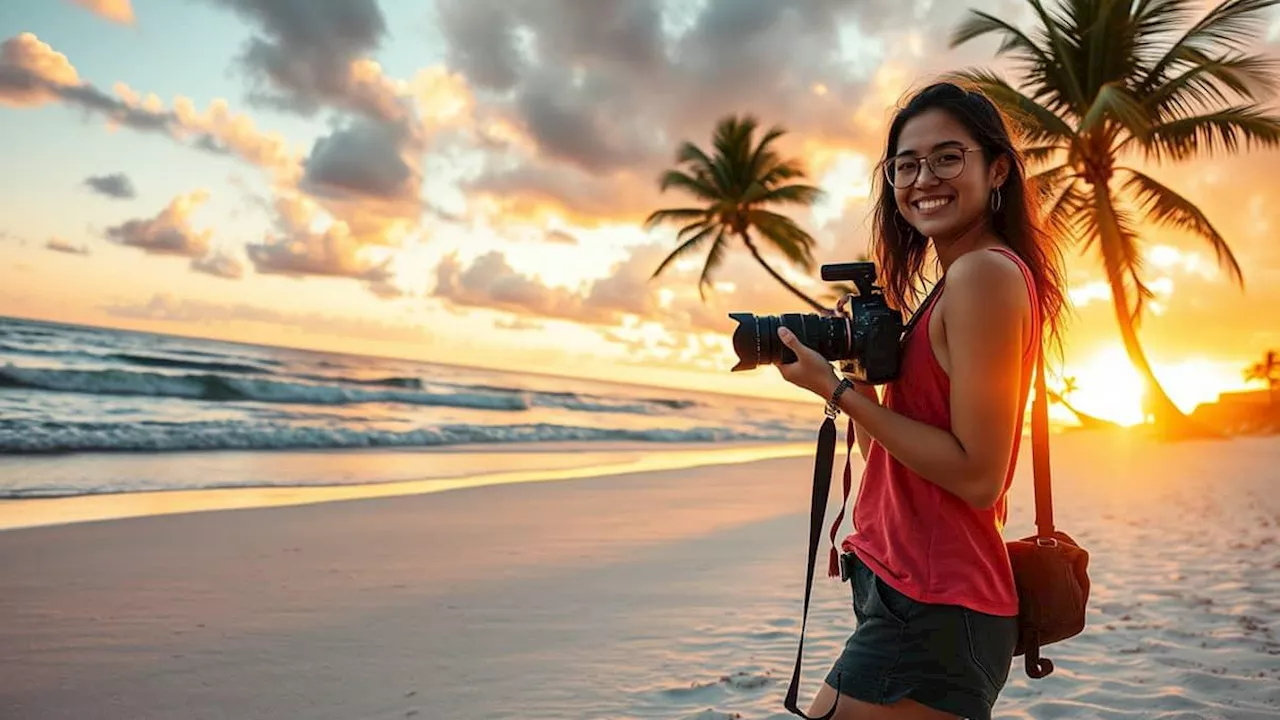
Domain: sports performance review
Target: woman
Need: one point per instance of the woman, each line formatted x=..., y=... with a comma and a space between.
x=932, y=585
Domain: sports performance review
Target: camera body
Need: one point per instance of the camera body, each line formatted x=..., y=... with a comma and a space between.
x=867, y=341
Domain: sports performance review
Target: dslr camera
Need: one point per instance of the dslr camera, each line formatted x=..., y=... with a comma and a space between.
x=866, y=340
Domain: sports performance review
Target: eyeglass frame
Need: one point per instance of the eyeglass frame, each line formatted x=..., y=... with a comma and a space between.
x=924, y=159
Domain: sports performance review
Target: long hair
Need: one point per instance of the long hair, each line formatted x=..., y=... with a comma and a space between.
x=900, y=250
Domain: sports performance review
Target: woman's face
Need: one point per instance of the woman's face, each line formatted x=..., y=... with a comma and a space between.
x=951, y=192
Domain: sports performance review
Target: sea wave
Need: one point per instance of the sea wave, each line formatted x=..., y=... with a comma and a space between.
x=224, y=387
x=43, y=437
x=141, y=359
x=320, y=390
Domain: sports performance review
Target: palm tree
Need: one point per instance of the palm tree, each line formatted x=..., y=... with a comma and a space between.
x=1105, y=81
x=1267, y=371
x=734, y=187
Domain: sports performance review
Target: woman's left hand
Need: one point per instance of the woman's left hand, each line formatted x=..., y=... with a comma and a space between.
x=810, y=371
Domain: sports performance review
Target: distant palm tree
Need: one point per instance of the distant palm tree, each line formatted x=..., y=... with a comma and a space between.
x=735, y=186
x=1086, y=420
x=1267, y=371
x=1107, y=80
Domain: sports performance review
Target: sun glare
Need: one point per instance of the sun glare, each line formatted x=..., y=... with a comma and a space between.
x=1107, y=386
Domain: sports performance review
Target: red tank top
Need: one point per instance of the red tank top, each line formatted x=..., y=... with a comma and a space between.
x=922, y=540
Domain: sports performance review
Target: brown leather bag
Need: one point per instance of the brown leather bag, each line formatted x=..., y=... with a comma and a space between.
x=1050, y=570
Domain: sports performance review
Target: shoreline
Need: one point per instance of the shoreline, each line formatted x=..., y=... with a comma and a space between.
x=669, y=593
x=464, y=468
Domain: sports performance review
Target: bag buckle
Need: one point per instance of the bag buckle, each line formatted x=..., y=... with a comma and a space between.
x=1047, y=542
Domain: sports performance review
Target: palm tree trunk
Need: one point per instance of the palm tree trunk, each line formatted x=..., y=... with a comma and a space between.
x=1169, y=420
x=746, y=240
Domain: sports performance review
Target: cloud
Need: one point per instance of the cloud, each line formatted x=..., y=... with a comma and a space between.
x=169, y=232
x=58, y=244
x=561, y=237
x=362, y=159
x=164, y=307
x=311, y=54
x=218, y=129
x=624, y=291
x=368, y=174
x=298, y=249
x=219, y=263
x=114, y=10
x=305, y=57
x=649, y=84
x=115, y=185
x=33, y=74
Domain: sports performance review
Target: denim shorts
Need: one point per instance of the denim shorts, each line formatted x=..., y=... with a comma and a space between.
x=947, y=657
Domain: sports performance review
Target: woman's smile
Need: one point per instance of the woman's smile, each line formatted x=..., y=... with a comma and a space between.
x=930, y=204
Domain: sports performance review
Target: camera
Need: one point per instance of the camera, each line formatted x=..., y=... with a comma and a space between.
x=866, y=341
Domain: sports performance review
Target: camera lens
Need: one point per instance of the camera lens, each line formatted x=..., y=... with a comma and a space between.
x=756, y=342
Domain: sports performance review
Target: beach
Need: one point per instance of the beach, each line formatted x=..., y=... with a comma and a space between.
x=670, y=593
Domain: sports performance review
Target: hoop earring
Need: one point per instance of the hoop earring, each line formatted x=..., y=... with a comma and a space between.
x=996, y=200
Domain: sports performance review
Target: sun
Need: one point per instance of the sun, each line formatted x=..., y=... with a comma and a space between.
x=1108, y=387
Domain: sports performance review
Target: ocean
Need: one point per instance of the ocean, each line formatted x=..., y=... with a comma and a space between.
x=70, y=390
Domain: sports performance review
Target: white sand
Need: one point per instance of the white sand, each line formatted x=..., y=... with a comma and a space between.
x=671, y=594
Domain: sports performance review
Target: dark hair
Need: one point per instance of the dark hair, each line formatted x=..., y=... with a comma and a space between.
x=900, y=250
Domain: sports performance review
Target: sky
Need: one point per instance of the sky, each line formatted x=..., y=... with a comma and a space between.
x=464, y=181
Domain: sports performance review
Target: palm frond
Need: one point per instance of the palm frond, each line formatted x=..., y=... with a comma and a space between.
x=785, y=235
x=1114, y=103
x=715, y=257
x=1231, y=25
x=1065, y=216
x=764, y=158
x=1013, y=41
x=1170, y=209
x=1063, y=71
x=1224, y=130
x=673, y=215
x=703, y=166
x=781, y=172
x=685, y=248
x=701, y=187
x=1040, y=125
x=792, y=195
x=1211, y=82
x=1040, y=154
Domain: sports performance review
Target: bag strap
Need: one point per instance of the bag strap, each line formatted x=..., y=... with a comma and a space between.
x=1040, y=451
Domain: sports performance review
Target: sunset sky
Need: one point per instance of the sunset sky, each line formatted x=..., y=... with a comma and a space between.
x=463, y=181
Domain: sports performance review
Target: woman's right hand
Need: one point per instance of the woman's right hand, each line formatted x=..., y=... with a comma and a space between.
x=844, y=301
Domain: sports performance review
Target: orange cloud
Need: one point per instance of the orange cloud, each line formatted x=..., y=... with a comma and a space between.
x=31, y=72
x=298, y=249
x=234, y=132
x=170, y=232
x=120, y=11
x=62, y=245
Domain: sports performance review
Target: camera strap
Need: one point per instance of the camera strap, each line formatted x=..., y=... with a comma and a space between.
x=822, y=466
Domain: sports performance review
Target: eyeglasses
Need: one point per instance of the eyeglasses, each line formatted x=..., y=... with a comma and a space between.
x=945, y=164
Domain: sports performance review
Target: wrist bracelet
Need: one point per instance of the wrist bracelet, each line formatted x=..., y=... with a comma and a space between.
x=833, y=404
